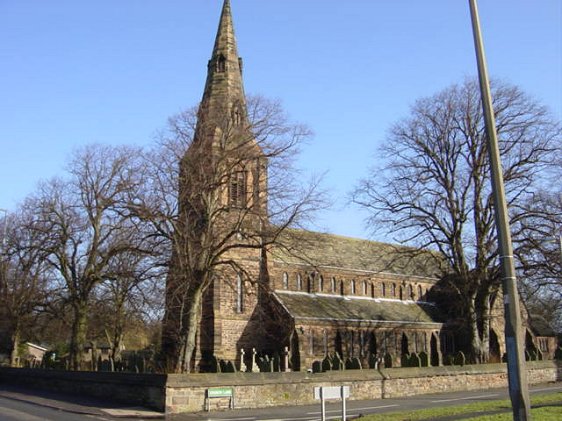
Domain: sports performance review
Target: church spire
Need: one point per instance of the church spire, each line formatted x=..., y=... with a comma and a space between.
x=225, y=42
x=224, y=86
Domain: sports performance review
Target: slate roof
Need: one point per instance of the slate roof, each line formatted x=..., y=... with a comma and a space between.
x=328, y=250
x=346, y=309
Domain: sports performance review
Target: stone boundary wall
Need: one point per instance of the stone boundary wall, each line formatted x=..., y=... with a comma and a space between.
x=400, y=382
x=138, y=389
x=176, y=393
x=260, y=390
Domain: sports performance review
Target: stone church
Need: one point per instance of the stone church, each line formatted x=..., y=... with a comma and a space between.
x=354, y=300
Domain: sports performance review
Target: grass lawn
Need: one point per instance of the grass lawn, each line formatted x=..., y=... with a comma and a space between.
x=546, y=407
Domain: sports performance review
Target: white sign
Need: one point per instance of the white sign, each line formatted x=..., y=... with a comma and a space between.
x=331, y=392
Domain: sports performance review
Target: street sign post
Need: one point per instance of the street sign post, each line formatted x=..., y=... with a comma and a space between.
x=332, y=392
x=220, y=392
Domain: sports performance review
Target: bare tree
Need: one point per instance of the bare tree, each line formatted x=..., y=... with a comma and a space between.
x=238, y=190
x=23, y=281
x=540, y=256
x=130, y=292
x=81, y=226
x=433, y=187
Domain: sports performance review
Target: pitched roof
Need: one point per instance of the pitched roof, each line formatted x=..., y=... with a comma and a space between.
x=329, y=250
x=344, y=309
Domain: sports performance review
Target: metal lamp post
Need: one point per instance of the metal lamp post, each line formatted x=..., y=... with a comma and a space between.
x=517, y=374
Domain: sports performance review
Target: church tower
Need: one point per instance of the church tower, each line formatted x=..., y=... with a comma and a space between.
x=222, y=210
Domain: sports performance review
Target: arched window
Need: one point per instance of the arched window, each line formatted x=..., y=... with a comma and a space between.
x=299, y=282
x=393, y=290
x=420, y=293
x=321, y=284
x=285, y=281
x=401, y=292
x=310, y=283
x=383, y=289
x=372, y=290
x=365, y=290
x=239, y=294
x=342, y=288
x=333, y=284
x=410, y=293
x=353, y=286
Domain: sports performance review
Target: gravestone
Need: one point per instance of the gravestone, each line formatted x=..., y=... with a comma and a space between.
x=414, y=360
x=449, y=359
x=372, y=360
x=356, y=364
x=326, y=364
x=316, y=366
x=214, y=365
x=337, y=363
x=285, y=364
x=405, y=360
x=424, y=359
x=229, y=367
x=387, y=360
x=460, y=359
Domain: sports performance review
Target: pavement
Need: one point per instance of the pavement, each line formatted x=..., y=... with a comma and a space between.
x=76, y=404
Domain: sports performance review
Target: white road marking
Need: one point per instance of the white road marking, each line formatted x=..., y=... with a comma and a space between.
x=354, y=409
x=234, y=419
x=467, y=398
x=375, y=407
x=545, y=389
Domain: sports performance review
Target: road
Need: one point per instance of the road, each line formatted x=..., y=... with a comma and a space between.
x=26, y=405
x=23, y=404
x=12, y=410
x=355, y=408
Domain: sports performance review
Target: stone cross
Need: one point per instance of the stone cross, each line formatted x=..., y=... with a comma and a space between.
x=255, y=367
x=243, y=367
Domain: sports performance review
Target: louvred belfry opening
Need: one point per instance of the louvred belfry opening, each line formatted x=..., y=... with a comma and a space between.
x=238, y=190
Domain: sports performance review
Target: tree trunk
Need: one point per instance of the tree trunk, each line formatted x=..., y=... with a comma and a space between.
x=190, y=335
x=78, y=336
x=485, y=314
x=118, y=333
x=15, y=345
x=476, y=347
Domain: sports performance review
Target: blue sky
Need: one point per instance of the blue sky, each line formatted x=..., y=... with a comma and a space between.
x=79, y=72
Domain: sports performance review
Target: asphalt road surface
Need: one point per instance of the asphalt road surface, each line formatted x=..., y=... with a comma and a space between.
x=12, y=410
